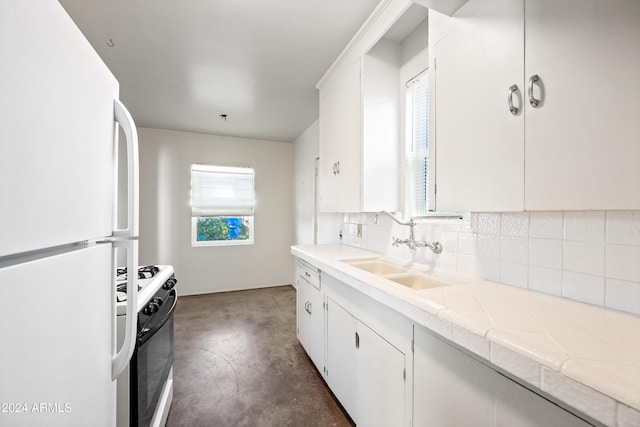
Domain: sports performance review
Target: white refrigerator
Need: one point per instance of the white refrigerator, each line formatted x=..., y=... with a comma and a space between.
x=59, y=118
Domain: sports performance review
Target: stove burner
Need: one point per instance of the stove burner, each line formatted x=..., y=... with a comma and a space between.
x=145, y=272
x=122, y=287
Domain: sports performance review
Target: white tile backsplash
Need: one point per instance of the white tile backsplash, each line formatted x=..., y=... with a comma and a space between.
x=589, y=256
x=586, y=226
x=546, y=225
x=545, y=253
x=584, y=257
x=622, y=295
x=623, y=227
x=467, y=243
x=583, y=287
x=546, y=280
x=623, y=262
x=515, y=224
x=514, y=274
x=489, y=223
x=489, y=245
x=488, y=269
x=514, y=249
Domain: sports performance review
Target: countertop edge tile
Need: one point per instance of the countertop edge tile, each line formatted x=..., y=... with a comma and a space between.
x=628, y=417
x=472, y=342
x=516, y=364
x=593, y=403
x=546, y=359
x=615, y=380
x=438, y=325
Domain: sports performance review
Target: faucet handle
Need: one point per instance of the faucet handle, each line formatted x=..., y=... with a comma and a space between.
x=395, y=242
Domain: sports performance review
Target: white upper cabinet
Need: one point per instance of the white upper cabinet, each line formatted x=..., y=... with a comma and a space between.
x=359, y=108
x=340, y=170
x=479, y=142
x=582, y=145
x=579, y=146
x=360, y=114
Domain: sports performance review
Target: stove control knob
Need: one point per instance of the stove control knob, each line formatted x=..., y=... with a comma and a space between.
x=158, y=301
x=151, y=308
x=169, y=284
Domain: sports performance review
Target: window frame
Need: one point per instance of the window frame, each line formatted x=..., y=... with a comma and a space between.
x=240, y=212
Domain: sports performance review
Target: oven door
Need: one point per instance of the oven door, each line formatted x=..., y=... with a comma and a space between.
x=152, y=360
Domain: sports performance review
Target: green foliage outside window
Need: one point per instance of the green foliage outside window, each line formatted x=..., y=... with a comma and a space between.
x=222, y=228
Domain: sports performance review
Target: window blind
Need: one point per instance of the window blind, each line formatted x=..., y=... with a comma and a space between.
x=221, y=191
x=417, y=145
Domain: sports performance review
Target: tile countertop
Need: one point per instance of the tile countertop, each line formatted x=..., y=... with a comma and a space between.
x=583, y=355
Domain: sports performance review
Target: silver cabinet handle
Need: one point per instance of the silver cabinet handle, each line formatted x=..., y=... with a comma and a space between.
x=532, y=100
x=307, y=307
x=512, y=89
x=336, y=168
x=357, y=340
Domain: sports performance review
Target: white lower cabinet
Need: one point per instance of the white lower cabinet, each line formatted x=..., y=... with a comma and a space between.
x=365, y=372
x=341, y=356
x=310, y=315
x=452, y=388
x=380, y=382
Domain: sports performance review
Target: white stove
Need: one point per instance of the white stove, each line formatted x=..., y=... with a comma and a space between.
x=145, y=388
x=150, y=279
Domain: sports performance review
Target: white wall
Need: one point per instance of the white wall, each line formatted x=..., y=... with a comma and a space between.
x=588, y=256
x=165, y=214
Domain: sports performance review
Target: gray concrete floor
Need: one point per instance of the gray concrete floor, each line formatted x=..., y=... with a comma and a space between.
x=238, y=363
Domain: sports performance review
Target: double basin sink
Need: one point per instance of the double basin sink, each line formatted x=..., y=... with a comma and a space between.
x=396, y=273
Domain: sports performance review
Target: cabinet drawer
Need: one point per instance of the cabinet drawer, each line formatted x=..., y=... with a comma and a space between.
x=308, y=273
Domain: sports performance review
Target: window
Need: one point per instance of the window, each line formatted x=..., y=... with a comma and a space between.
x=417, y=146
x=222, y=200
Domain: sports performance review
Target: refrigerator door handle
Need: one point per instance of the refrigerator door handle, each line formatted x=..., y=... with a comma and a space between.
x=121, y=358
x=128, y=126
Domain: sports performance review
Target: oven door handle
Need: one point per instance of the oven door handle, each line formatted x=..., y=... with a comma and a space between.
x=147, y=333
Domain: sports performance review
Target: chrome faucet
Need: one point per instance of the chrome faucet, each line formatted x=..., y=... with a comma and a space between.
x=411, y=242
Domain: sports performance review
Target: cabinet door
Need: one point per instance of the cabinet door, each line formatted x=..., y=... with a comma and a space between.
x=302, y=316
x=316, y=327
x=479, y=142
x=341, y=140
x=381, y=381
x=328, y=131
x=341, y=356
x=445, y=381
x=583, y=140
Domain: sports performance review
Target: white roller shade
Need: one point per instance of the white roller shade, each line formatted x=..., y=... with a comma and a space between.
x=221, y=191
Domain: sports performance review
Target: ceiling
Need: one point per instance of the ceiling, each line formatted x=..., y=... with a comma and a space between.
x=182, y=64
